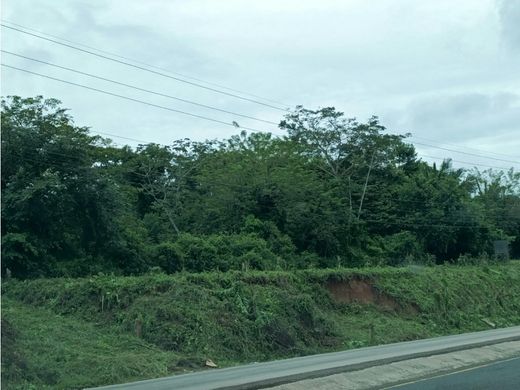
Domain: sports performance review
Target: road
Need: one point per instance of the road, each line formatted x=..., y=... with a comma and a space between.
x=258, y=375
x=500, y=375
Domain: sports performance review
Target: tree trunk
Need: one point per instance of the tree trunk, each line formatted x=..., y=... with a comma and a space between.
x=365, y=186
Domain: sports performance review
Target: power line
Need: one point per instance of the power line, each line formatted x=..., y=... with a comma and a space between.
x=201, y=86
x=61, y=160
x=145, y=142
x=138, y=88
x=128, y=138
x=69, y=155
x=419, y=154
x=463, y=162
x=464, y=147
x=129, y=98
x=145, y=69
x=190, y=114
x=467, y=220
x=146, y=64
x=467, y=153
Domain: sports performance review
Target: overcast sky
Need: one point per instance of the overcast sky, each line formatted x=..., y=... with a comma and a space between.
x=446, y=71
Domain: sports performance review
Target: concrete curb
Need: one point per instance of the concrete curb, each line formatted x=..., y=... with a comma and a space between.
x=412, y=370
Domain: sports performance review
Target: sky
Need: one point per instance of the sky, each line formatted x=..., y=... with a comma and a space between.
x=447, y=72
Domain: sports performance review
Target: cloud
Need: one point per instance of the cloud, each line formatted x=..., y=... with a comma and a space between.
x=463, y=116
x=416, y=64
x=509, y=16
x=454, y=124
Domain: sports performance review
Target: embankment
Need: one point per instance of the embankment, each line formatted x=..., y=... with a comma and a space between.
x=67, y=333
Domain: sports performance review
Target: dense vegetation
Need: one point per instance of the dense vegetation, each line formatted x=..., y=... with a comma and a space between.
x=332, y=191
x=129, y=263
x=77, y=332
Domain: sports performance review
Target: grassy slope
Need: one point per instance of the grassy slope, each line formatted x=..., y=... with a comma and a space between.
x=78, y=332
x=47, y=349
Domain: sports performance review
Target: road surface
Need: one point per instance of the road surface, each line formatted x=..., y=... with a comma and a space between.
x=258, y=375
x=503, y=375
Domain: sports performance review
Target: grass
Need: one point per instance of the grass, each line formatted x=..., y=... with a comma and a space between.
x=70, y=333
x=48, y=350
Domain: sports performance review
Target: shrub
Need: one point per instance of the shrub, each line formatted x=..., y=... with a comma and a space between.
x=401, y=247
x=20, y=255
x=198, y=253
x=307, y=260
x=278, y=243
x=223, y=252
x=167, y=256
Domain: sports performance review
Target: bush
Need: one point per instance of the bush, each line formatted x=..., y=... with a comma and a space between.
x=198, y=253
x=401, y=247
x=21, y=256
x=223, y=252
x=167, y=256
x=278, y=243
x=307, y=260
x=467, y=259
x=245, y=251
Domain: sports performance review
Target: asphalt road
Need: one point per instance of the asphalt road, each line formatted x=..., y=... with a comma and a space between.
x=258, y=375
x=503, y=375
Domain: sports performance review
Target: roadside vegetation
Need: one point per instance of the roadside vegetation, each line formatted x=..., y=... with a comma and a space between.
x=71, y=333
x=331, y=192
x=122, y=263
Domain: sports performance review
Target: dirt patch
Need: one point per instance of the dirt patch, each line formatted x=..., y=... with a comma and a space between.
x=361, y=291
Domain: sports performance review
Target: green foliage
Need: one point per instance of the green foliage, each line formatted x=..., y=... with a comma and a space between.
x=279, y=243
x=219, y=252
x=20, y=255
x=401, y=246
x=58, y=209
x=167, y=256
x=43, y=350
x=332, y=192
x=79, y=332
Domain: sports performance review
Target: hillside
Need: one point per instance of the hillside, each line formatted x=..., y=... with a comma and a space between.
x=69, y=333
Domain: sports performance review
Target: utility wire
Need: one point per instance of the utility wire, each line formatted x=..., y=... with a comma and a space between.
x=203, y=117
x=196, y=79
x=62, y=160
x=467, y=219
x=145, y=142
x=418, y=154
x=138, y=88
x=463, y=162
x=214, y=90
x=68, y=156
x=146, y=64
x=467, y=153
x=145, y=69
x=459, y=146
x=129, y=98
x=141, y=141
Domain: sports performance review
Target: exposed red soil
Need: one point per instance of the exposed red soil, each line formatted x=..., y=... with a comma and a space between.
x=361, y=291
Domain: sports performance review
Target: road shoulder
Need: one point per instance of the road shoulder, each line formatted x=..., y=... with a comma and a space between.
x=410, y=370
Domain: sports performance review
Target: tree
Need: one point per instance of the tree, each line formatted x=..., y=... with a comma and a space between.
x=347, y=153
x=333, y=191
x=57, y=207
x=497, y=194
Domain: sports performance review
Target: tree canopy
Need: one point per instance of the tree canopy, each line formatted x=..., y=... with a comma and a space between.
x=332, y=191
